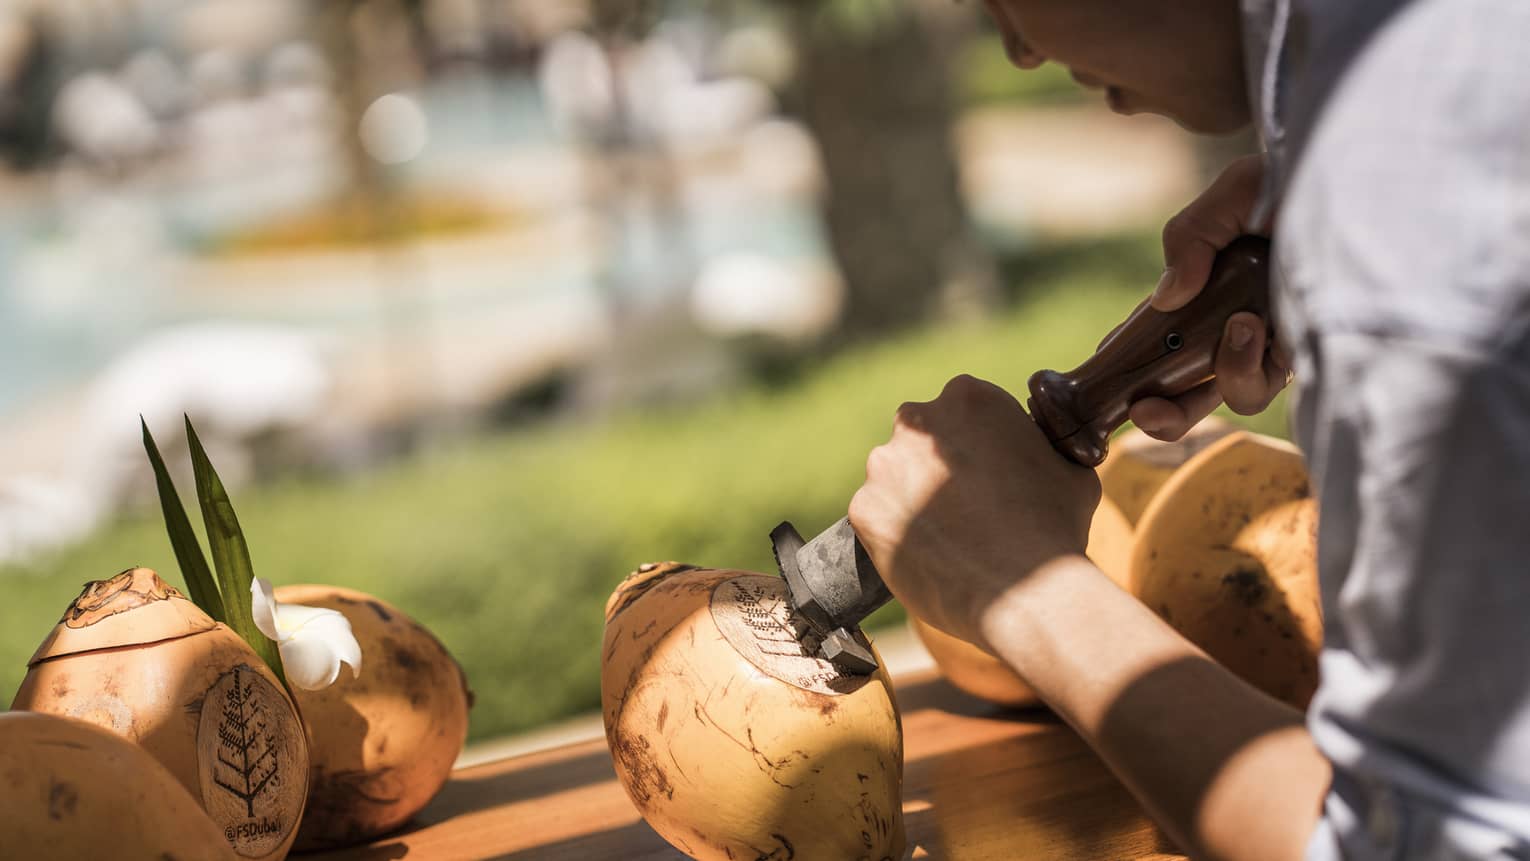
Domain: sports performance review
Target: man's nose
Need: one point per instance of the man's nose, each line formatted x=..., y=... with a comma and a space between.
x=1020, y=53
x=1086, y=79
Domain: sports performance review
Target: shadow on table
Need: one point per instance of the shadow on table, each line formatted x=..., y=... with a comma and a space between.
x=466, y=792
x=385, y=852
x=635, y=842
x=939, y=694
x=1035, y=796
x=977, y=804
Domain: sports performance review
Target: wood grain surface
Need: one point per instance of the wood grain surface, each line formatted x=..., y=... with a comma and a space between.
x=980, y=784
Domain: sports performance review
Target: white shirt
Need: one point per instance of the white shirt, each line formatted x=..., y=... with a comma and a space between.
x=1399, y=136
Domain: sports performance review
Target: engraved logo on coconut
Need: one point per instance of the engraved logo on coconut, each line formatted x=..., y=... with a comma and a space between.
x=253, y=779
x=753, y=615
x=127, y=591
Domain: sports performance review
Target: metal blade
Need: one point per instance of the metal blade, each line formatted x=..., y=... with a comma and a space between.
x=832, y=586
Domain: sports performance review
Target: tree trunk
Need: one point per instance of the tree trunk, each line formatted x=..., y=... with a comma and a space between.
x=878, y=100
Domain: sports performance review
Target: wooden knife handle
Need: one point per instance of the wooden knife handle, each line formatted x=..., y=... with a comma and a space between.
x=1153, y=354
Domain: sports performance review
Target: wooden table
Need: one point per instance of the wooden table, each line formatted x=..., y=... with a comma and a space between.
x=980, y=784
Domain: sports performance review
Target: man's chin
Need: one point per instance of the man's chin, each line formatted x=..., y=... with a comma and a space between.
x=1210, y=123
x=1217, y=127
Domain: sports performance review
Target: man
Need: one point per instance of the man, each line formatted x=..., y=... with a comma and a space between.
x=1396, y=187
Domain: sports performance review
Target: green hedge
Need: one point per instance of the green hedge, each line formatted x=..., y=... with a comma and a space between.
x=508, y=546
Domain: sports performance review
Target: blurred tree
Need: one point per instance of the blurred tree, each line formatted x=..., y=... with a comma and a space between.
x=375, y=48
x=873, y=85
x=631, y=171
x=30, y=72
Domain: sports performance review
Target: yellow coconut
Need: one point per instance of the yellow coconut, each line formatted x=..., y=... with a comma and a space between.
x=72, y=790
x=1138, y=465
x=972, y=670
x=734, y=741
x=1110, y=542
x=133, y=655
x=982, y=675
x=1227, y=554
x=381, y=744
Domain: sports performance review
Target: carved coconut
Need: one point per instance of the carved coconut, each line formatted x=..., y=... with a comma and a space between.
x=134, y=656
x=383, y=743
x=733, y=740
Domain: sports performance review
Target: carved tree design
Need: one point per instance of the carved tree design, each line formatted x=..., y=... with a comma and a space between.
x=247, y=749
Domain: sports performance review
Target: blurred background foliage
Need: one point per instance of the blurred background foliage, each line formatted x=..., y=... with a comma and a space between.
x=479, y=304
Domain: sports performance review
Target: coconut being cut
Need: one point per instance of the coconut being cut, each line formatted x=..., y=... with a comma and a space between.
x=974, y=671
x=71, y=790
x=1227, y=554
x=732, y=737
x=382, y=743
x=134, y=656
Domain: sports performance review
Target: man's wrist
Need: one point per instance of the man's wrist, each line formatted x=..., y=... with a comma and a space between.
x=1010, y=619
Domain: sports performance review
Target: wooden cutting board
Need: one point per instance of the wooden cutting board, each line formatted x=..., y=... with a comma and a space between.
x=980, y=784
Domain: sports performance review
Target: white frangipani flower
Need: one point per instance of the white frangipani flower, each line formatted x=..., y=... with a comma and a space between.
x=313, y=641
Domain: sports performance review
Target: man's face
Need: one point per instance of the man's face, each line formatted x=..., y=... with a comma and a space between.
x=1179, y=58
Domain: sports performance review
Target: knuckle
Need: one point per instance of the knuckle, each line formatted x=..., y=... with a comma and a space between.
x=1187, y=229
x=965, y=387
x=879, y=460
x=908, y=413
x=860, y=508
x=958, y=384
x=1175, y=230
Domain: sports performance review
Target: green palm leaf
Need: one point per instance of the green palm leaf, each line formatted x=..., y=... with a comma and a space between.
x=230, y=554
x=183, y=539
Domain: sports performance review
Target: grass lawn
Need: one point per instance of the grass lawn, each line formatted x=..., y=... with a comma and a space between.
x=508, y=546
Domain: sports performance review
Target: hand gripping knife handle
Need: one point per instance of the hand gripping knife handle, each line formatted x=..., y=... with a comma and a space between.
x=830, y=580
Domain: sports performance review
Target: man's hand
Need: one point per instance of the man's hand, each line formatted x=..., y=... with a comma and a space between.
x=1249, y=371
x=965, y=500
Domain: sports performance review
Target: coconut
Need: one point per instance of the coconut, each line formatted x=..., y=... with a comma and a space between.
x=1227, y=554
x=735, y=741
x=381, y=744
x=70, y=789
x=974, y=671
x=1110, y=542
x=1138, y=465
x=134, y=656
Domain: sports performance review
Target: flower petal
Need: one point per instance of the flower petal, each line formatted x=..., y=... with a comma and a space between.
x=263, y=607
x=333, y=629
x=291, y=618
x=310, y=664
x=349, y=651
x=313, y=641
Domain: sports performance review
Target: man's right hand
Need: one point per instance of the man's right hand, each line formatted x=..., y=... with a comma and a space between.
x=1249, y=371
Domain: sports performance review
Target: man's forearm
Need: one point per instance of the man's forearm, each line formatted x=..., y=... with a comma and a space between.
x=1227, y=771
